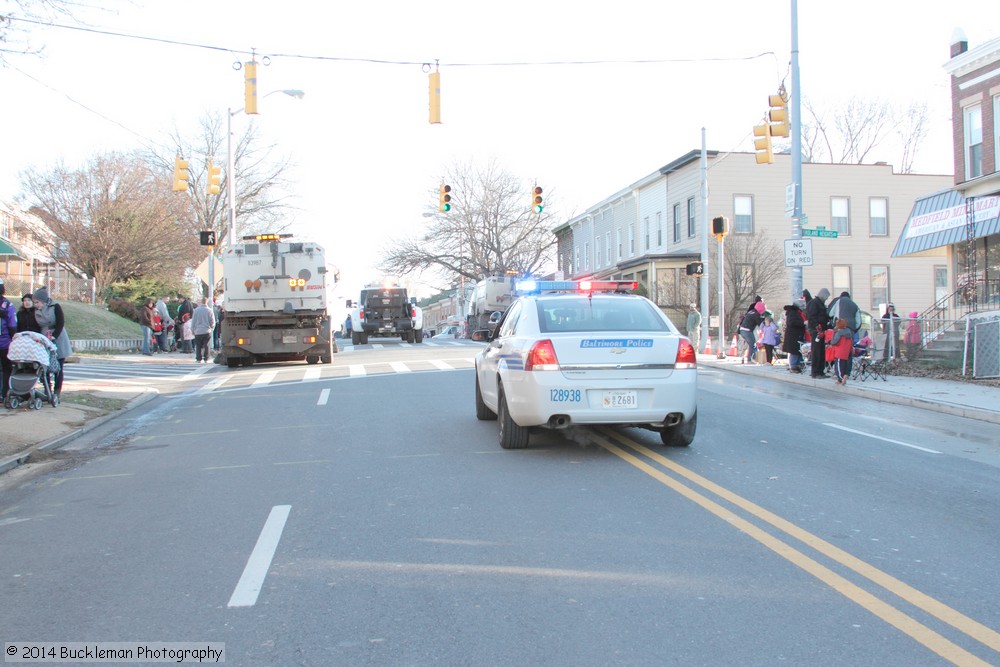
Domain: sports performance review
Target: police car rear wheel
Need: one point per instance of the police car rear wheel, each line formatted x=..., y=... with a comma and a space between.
x=512, y=436
x=680, y=435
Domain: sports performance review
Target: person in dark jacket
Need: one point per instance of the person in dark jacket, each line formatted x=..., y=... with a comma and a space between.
x=794, y=335
x=26, y=315
x=49, y=315
x=184, y=312
x=146, y=315
x=8, y=327
x=751, y=320
x=817, y=322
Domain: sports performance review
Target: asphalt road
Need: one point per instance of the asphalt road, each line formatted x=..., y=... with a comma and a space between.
x=372, y=520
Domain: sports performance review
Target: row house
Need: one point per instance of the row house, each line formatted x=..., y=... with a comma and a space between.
x=31, y=255
x=963, y=221
x=651, y=230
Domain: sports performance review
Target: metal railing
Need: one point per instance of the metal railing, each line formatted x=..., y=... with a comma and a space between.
x=949, y=310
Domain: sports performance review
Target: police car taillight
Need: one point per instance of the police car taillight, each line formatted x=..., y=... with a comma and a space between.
x=542, y=357
x=685, y=355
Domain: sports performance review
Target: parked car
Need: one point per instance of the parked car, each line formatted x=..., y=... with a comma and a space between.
x=583, y=354
x=452, y=331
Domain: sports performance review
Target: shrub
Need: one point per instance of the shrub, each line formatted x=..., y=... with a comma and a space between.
x=125, y=308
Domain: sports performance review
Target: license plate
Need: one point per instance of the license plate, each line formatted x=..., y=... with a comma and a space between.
x=621, y=399
x=289, y=339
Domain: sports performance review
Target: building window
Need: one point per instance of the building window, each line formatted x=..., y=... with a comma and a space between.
x=631, y=240
x=840, y=218
x=607, y=248
x=659, y=229
x=586, y=256
x=743, y=212
x=973, y=142
x=576, y=259
x=878, y=216
x=940, y=284
x=618, y=232
x=880, y=288
x=645, y=233
x=677, y=223
x=597, y=252
x=690, y=217
x=841, y=279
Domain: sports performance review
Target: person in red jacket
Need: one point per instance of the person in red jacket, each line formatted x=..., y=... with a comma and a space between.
x=842, y=342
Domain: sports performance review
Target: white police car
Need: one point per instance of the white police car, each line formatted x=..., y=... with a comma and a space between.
x=584, y=353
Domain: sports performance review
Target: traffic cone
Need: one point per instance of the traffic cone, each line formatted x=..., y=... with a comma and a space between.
x=732, y=348
x=708, y=346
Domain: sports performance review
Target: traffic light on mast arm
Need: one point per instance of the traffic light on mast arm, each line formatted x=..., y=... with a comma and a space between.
x=777, y=115
x=214, y=179
x=250, y=86
x=444, y=199
x=180, y=174
x=537, y=205
x=762, y=143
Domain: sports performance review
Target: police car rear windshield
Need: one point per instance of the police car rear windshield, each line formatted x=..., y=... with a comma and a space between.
x=609, y=313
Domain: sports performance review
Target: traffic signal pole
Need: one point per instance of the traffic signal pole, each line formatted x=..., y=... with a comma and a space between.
x=705, y=296
x=795, y=127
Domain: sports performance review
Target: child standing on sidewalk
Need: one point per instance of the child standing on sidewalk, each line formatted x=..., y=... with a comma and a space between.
x=843, y=344
x=769, y=336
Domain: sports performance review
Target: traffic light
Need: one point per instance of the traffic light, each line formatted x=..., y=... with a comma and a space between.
x=214, y=179
x=777, y=116
x=444, y=199
x=536, y=200
x=207, y=238
x=762, y=142
x=180, y=174
x=250, y=81
x=720, y=227
x=435, y=97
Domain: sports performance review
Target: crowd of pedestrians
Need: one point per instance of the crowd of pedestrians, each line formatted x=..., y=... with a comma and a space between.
x=40, y=314
x=193, y=332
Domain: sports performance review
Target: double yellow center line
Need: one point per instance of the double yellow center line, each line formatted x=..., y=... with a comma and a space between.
x=883, y=610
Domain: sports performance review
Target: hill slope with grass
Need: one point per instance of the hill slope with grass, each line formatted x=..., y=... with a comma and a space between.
x=86, y=322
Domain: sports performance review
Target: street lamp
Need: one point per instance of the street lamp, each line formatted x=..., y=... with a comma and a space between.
x=230, y=180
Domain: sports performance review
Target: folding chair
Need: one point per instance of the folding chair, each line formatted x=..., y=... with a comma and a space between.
x=867, y=367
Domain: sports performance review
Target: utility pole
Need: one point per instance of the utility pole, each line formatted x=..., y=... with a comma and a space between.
x=705, y=296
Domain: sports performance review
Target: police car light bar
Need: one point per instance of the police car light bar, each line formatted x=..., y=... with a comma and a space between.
x=536, y=286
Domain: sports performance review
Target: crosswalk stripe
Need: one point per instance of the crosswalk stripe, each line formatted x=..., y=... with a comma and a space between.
x=358, y=370
x=399, y=367
x=264, y=378
x=214, y=384
x=437, y=363
x=312, y=374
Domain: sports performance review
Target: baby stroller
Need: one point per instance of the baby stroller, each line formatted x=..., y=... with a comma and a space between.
x=35, y=361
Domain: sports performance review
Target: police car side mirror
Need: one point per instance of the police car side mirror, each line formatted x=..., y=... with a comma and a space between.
x=481, y=335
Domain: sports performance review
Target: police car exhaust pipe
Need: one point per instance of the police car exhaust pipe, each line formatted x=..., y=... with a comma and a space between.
x=559, y=421
x=673, y=419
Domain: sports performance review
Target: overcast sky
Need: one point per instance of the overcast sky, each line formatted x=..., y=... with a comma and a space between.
x=368, y=162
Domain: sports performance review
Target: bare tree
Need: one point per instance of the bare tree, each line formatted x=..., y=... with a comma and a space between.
x=20, y=16
x=750, y=268
x=117, y=217
x=858, y=128
x=489, y=230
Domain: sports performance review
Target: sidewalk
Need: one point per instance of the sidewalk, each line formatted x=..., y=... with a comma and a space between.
x=88, y=405
x=963, y=399
x=85, y=406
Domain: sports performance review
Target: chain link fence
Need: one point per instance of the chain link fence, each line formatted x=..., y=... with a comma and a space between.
x=63, y=286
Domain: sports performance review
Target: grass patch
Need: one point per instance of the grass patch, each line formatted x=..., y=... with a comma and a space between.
x=84, y=322
x=103, y=403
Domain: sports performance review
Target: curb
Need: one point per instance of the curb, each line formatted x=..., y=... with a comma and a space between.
x=873, y=394
x=147, y=395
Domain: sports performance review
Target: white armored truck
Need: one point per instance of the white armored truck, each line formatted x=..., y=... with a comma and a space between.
x=275, y=302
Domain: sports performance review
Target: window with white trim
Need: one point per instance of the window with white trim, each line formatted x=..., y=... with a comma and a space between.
x=659, y=229
x=880, y=287
x=631, y=240
x=618, y=232
x=607, y=248
x=645, y=233
x=743, y=214
x=973, y=142
x=841, y=275
x=677, y=223
x=878, y=216
x=597, y=251
x=586, y=256
x=840, y=217
x=691, y=211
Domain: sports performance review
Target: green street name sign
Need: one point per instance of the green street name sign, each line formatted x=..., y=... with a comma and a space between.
x=821, y=233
